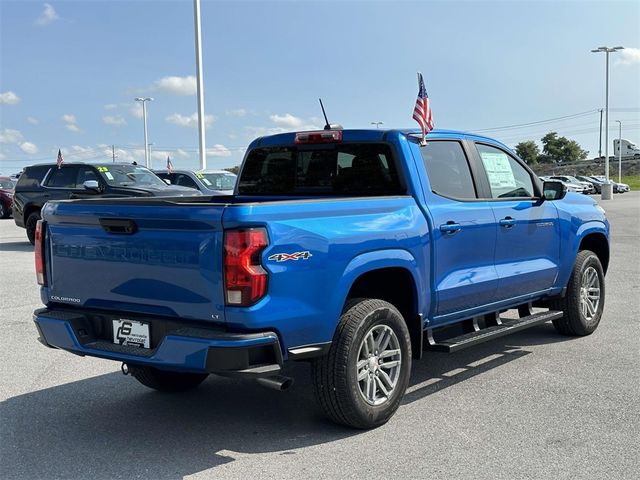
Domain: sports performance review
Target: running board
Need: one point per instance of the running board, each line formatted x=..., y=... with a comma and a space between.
x=504, y=327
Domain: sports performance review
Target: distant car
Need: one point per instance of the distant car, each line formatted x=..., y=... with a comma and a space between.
x=6, y=197
x=587, y=187
x=571, y=187
x=617, y=187
x=597, y=184
x=209, y=182
x=41, y=183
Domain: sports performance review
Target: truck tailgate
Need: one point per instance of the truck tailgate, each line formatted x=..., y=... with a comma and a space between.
x=158, y=258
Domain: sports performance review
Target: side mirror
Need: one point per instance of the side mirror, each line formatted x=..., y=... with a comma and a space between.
x=167, y=181
x=91, y=185
x=554, y=190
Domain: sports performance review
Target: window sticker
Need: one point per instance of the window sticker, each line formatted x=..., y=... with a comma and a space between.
x=498, y=170
x=206, y=181
x=108, y=174
x=103, y=169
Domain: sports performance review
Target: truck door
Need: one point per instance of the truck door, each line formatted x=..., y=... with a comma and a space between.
x=528, y=239
x=464, y=233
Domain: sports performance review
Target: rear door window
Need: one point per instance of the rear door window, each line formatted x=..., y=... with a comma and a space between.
x=448, y=169
x=32, y=176
x=344, y=169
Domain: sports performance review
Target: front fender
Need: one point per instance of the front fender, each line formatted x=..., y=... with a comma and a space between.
x=572, y=245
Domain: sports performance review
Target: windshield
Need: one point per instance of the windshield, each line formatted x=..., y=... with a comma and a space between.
x=130, y=176
x=218, y=181
x=6, y=183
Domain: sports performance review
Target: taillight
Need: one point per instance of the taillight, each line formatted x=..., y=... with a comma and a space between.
x=323, y=136
x=245, y=281
x=39, y=251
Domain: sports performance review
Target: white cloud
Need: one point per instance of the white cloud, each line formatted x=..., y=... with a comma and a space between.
x=190, y=120
x=115, y=120
x=71, y=122
x=111, y=106
x=218, y=150
x=47, y=16
x=2, y=156
x=9, y=135
x=9, y=98
x=628, y=56
x=28, y=148
x=135, y=110
x=238, y=112
x=286, y=120
x=33, y=120
x=177, y=85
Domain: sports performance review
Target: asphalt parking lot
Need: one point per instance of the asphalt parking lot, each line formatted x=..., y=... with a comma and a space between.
x=531, y=405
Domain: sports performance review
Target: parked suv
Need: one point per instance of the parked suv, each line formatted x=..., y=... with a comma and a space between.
x=41, y=183
x=209, y=182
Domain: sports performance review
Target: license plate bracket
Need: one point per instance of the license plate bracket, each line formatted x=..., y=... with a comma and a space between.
x=131, y=333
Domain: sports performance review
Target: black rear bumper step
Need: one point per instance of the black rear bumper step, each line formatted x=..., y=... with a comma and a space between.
x=505, y=327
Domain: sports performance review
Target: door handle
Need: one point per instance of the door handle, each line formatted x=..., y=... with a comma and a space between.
x=450, y=227
x=507, y=222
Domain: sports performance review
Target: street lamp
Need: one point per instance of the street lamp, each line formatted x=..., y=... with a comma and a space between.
x=377, y=124
x=619, y=151
x=607, y=188
x=144, y=119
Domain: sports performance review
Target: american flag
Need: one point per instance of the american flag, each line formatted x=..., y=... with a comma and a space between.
x=169, y=165
x=422, y=111
x=59, y=161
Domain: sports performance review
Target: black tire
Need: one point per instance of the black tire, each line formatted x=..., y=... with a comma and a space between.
x=335, y=374
x=30, y=225
x=166, y=381
x=4, y=213
x=575, y=322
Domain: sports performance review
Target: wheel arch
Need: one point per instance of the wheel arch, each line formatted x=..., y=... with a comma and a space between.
x=393, y=276
x=596, y=242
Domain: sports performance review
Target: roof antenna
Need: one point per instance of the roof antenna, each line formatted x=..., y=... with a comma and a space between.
x=327, y=125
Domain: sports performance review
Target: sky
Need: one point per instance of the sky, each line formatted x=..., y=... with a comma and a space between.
x=70, y=70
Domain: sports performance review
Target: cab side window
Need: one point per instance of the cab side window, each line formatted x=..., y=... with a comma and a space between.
x=185, y=181
x=448, y=169
x=85, y=174
x=64, y=177
x=507, y=177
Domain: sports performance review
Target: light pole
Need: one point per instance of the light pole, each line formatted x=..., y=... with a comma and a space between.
x=144, y=119
x=619, y=151
x=199, y=87
x=377, y=124
x=607, y=188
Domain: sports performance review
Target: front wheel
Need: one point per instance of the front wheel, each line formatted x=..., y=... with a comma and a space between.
x=166, y=381
x=584, y=302
x=362, y=379
x=4, y=212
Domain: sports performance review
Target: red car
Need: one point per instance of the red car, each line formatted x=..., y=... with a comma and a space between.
x=6, y=197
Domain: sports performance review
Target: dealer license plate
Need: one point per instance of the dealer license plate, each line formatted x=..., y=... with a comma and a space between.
x=131, y=332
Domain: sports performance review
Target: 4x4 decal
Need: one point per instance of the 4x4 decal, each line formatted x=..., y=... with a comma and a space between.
x=283, y=257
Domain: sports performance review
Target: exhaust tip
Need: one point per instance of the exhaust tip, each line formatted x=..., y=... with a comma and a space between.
x=277, y=382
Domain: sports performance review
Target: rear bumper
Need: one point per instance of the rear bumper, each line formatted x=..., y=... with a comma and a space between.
x=176, y=346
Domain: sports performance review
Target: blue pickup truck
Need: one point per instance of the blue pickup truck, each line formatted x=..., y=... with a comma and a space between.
x=355, y=250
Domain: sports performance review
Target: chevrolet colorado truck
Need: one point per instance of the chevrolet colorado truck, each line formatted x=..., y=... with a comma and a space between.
x=352, y=249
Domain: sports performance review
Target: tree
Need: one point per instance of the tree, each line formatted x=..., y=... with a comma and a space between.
x=235, y=169
x=557, y=149
x=528, y=151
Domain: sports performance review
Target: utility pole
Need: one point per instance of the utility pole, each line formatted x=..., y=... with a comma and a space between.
x=144, y=119
x=619, y=151
x=200, y=87
x=113, y=153
x=600, y=144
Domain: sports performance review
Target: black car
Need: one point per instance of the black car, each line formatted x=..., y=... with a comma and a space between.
x=41, y=183
x=209, y=182
x=597, y=184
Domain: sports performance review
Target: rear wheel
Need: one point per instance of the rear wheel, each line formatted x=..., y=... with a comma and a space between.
x=4, y=213
x=166, y=381
x=362, y=379
x=584, y=302
x=30, y=224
